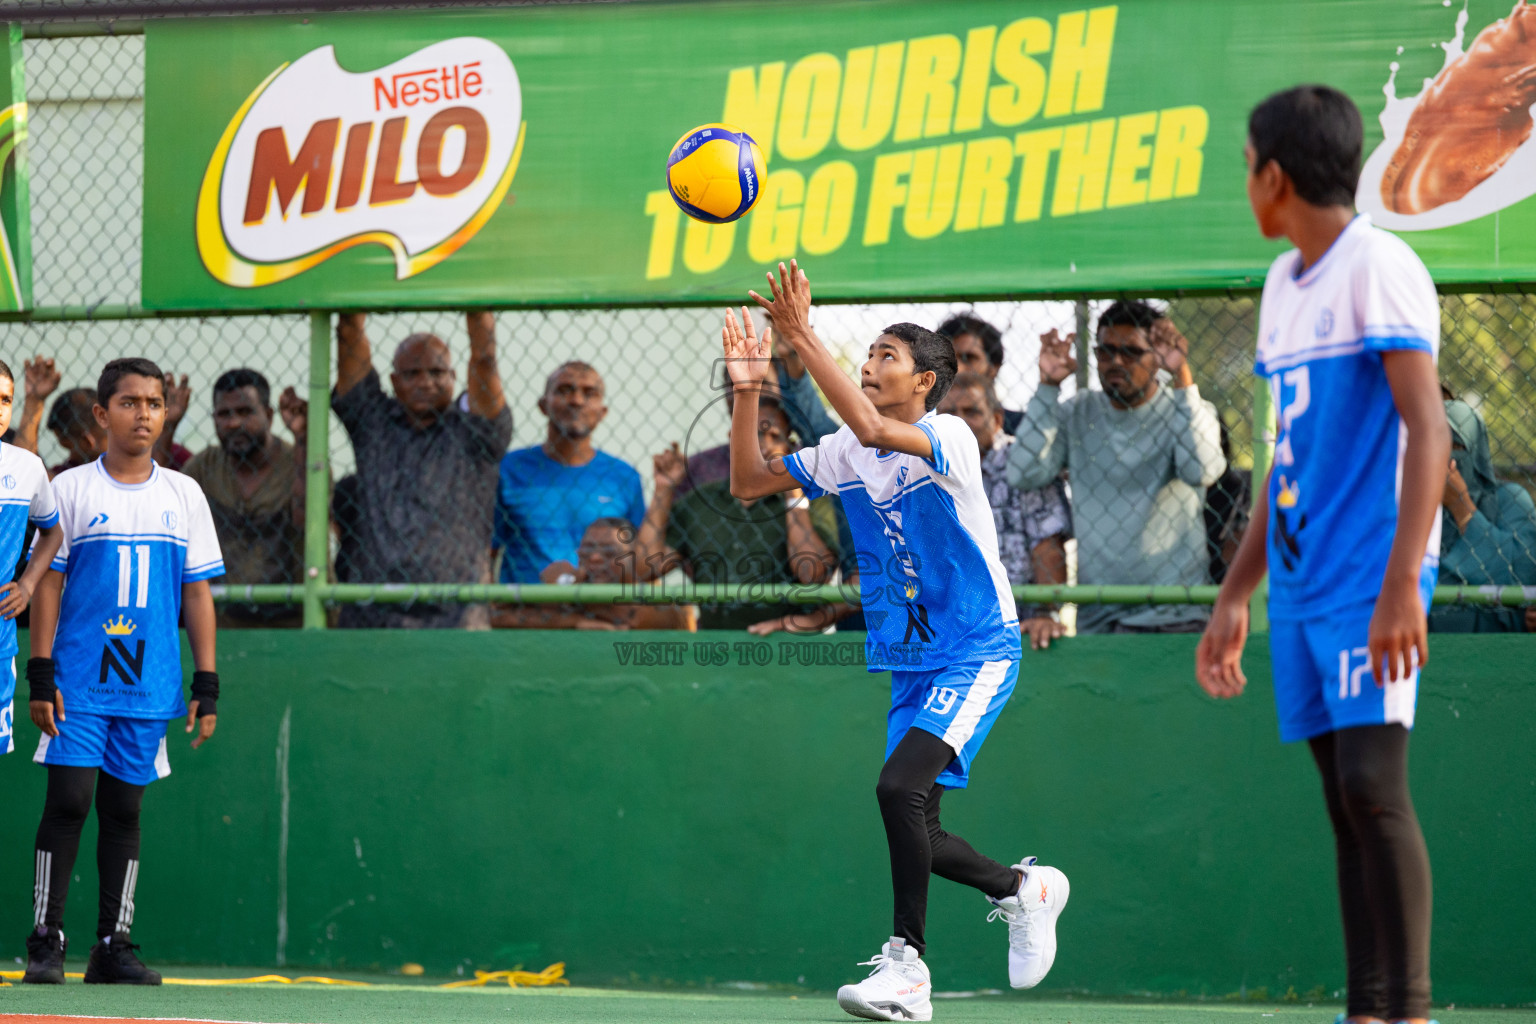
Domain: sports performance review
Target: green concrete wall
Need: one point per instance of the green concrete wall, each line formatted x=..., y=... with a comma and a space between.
x=494, y=799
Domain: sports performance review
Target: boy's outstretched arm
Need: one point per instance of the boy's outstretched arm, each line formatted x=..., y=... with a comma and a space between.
x=747, y=364
x=1399, y=629
x=1219, y=658
x=198, y=613
x=790, y=309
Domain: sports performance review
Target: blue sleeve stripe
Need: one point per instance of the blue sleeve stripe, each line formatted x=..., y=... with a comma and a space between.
x=208, y=572
x=938, y=461
x=48, y=521
x=59, y=563
x=1396, y=342
x=807, y=482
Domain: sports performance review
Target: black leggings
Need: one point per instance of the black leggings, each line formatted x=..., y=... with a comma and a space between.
x=117, y=846
x=1384, y=881
x=909, y=803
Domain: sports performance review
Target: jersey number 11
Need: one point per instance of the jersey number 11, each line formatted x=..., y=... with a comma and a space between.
x=125, y=573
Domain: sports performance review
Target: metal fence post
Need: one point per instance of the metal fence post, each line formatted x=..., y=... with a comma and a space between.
x=1084, y=340
x=317, y=493
x=1263, y=456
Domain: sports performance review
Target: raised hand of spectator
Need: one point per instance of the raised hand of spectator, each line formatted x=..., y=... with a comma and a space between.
x=178, y=398
x=1058, y=357
x=354, y=354
x=670, y=467
x=40, y=378
x=1458, y=497
x=1172, y=350
x=295, y=413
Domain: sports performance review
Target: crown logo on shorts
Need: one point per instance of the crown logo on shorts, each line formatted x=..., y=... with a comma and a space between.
x=122, y=627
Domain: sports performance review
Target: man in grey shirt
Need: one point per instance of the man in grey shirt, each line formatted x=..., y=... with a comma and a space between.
x=420, y=505
x=1139, y=457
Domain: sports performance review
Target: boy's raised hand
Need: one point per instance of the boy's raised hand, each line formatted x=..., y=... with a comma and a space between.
x=747, y=357
x=791, y=303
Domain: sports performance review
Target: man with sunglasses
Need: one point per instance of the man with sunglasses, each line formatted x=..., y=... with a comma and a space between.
x=1140, y=455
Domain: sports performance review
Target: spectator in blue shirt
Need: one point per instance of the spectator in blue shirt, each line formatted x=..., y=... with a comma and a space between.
x=548, y=494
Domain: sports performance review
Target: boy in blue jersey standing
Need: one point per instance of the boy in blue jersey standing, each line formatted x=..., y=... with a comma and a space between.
x=25, y=496
x=940, y=608
x=138, y=550
x=1348, y=525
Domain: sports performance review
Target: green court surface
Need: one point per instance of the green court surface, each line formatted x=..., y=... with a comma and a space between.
x=423, y=1004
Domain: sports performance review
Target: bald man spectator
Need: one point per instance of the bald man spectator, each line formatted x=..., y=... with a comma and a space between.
x=548, y=494
x=426, y=469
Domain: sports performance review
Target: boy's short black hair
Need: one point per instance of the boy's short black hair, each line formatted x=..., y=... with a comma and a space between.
x=1130, y=313
x=117, y=369
x=930, y=351
x=234, y=380
x=1315, y=134
x=71, y=410
x=5, y=371
x=966, y=323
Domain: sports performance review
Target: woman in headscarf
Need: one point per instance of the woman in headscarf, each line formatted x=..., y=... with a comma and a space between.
x=1487, y=530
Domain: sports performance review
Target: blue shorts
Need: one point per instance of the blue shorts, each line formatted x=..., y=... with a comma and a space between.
x=130, y=749
x=1323, y=681
x=7, y=709
x=958, y=704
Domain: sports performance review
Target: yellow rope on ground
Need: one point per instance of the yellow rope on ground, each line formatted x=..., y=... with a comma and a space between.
x=554, y=974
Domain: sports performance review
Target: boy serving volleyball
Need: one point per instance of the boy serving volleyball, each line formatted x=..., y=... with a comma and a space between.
x=941, y=612
x=1348, y=525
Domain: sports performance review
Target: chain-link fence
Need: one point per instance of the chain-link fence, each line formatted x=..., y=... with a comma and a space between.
x=563, y=487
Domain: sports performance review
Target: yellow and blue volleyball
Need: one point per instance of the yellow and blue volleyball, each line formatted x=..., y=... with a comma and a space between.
x=715, y=173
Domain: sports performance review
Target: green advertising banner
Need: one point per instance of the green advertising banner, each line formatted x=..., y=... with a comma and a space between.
x=913, y=149
x=15, y=208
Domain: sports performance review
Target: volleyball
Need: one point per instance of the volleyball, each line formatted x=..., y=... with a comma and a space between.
x=715, y=173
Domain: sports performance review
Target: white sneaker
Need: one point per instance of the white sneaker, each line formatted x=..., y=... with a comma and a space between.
x=1031, y=915
x=897, y=988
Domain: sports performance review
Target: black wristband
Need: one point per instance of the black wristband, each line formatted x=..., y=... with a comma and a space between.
x=205, y=690
x=40, y=679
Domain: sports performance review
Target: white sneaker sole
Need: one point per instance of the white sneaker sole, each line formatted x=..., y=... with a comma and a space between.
x=852, y=1000
x=1058, y=891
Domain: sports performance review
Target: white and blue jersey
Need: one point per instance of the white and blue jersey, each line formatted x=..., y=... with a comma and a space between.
x=25, y=496
x=1338, y=463
x=127, y=551
x=935, y=593
x=1338, y=466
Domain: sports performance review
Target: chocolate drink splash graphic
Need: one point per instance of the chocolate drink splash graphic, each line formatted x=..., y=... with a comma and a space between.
x=1470, y=119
